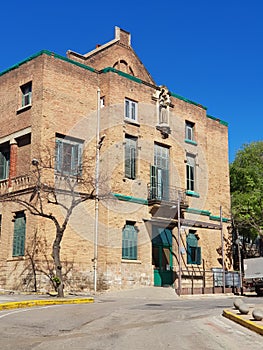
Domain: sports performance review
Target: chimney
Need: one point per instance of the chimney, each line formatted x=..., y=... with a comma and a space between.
x=123, y=36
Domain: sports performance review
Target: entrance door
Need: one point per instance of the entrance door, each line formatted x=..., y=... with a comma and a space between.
x=162, y=258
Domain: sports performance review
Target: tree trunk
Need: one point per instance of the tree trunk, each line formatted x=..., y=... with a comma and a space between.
x=58, y=267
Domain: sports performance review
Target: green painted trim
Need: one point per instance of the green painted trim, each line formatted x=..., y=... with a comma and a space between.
x=49, y=53
x=125, y=75
x=186, y=100
x=24, y=61
x=223, y=123
x=192, y=193
x=191, y=142
x=217, y=119
x=74, y=62
x=105, y=70
x=198, y=211
x=217, y=218
x=132, y=199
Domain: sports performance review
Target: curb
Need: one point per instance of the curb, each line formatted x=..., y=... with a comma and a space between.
x=246, y=323
x=31, y=303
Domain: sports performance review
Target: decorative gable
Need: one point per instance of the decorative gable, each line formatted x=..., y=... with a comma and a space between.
x=117, y=54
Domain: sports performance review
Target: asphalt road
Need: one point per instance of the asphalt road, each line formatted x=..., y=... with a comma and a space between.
x=130, y=323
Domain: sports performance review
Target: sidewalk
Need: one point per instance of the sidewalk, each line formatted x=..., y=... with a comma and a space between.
x=245, y=320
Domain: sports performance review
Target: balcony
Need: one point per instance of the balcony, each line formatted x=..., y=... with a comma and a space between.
x=166, y=194
x=15, y=185
x=164, y=200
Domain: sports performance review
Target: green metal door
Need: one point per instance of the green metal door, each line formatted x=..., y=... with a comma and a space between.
x=162, y=256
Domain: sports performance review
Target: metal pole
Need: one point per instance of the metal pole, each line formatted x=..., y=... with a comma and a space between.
x=95, y=259
x=179, y=247
x=240, y=264
x=223, y=250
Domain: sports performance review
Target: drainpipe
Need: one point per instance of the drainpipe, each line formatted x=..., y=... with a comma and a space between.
x=95, y=259
x=223, y=251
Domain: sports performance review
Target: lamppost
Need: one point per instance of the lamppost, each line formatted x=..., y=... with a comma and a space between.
x=179, y=245
x=97, y=163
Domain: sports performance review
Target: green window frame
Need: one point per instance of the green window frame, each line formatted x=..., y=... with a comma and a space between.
x=19, y=234
x=193, y=251
x=190, y=172
x=26, y=90
x=68, y=156
x=4, y=161
x=130, y=157
x=129, y=242
x=159, y=173
x=0, y=225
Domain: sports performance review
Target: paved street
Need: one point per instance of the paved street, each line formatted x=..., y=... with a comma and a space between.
x=152, y=318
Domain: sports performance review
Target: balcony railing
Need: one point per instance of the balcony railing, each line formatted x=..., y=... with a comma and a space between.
x=170, y=194
x=15, y=184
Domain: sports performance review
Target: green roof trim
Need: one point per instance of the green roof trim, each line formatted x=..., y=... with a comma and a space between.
x=217, y=218
x=125, y=75
x=187, y=100
x=105, y=70
x=73, y=62
x=49, y=53
x=217, y=119
x=198, y=211
x=132, y=199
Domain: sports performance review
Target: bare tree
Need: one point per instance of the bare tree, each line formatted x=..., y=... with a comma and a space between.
x=62, y=191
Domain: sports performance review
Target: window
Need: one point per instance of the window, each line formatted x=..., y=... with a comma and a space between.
x=4, y=161
x=68, y=156
x=190, y=173
x=160, y=173
x=26, y=94
x=189, y=131
x=131, y=109
x=130, y=156
x=19, y=234
x=129, y=241
x=193, y=251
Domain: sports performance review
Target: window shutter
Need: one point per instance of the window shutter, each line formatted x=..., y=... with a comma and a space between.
x=133, y=165
x=127, y=160
x=129, y=242
x=127, y=109
x=165, y=184
x=59, y=155
x=198, y=253
x=133, y=111
x=2, y=166
x=130, y=157
x=153, y=171
x=189, y=255
x=19, y=235
x=75, y=160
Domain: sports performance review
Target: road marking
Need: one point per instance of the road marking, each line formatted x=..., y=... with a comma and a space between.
x=24, y=310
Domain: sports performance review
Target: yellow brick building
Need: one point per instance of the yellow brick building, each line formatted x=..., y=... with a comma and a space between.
x=162, y=166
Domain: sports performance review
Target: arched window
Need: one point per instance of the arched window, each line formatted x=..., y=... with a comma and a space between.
x=129, y=241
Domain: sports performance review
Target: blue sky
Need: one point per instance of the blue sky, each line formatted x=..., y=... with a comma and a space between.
x=208, y=51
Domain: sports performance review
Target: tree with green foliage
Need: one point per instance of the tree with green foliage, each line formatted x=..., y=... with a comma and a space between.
x=246, y=183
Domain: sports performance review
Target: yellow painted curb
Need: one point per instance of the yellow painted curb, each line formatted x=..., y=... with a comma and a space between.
x=246, y=323
x=30, y=303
